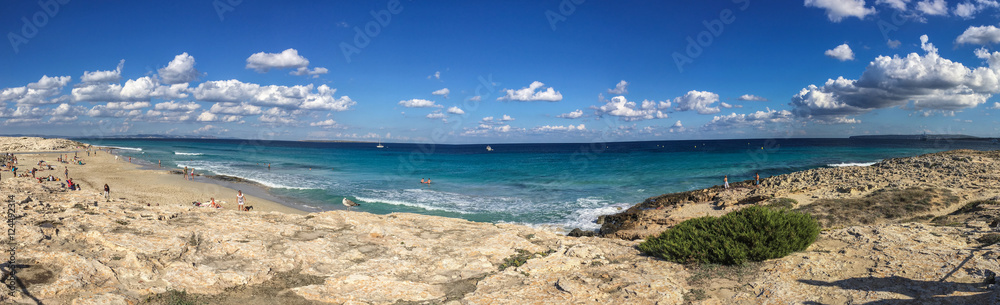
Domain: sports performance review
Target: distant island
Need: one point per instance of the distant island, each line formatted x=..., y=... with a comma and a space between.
x=919, y=137
x=335, y=141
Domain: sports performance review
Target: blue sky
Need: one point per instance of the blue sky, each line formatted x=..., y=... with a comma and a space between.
x=500, y=71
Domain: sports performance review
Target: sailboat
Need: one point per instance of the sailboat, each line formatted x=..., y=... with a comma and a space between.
x=488, y=148
x=379, y=144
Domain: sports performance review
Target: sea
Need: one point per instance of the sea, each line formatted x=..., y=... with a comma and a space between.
x=553, y=186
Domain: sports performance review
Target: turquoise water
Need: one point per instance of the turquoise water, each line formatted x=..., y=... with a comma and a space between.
x=557, y=185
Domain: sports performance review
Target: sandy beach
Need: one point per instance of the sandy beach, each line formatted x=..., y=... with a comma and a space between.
x=128, y=182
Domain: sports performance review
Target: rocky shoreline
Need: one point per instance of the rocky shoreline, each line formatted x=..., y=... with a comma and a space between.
x=969, y=175
x=74, y=247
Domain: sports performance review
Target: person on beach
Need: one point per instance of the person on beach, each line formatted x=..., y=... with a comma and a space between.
x=215, y=205
x=269, y=166
x=185, y=174
x=239, y=200
x=756, y=181
x=107, y=193
x=67, y=172
x=725, y=181
x=159, y=163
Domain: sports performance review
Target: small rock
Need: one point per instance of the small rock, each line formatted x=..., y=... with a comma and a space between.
x=580, y=233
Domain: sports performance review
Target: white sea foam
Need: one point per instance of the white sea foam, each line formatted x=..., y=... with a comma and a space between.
x=187, y=154
x=126, y=148
x=852, y=164
x=584, y=214
x=586, y=218
x=268, y=179
x=441, y=201
x=411, y=204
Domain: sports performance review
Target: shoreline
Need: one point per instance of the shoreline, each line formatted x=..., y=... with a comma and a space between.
x=138, y=182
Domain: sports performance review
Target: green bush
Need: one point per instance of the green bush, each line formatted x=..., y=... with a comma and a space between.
x=753, y=234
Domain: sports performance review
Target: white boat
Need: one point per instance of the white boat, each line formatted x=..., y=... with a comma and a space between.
x=488, y=148
x=379, y=144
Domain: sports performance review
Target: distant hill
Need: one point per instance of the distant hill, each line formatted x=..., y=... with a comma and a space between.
x=918, y=137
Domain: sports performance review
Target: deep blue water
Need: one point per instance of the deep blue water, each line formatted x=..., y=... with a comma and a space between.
x=562, y=185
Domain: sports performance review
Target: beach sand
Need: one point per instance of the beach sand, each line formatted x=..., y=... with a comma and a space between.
x=129, y=182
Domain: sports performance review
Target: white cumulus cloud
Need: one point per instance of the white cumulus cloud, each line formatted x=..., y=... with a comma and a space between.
x=700, y=101
x=620, y=88
x=294, y=97
x=179, y=70
x=981, y=35
x=627, y=110
x=929, y=81
x=326, y=124
x=113, y=76
x=837, y=10
x=175, y=106
x=455, y=110
x=37, y=93
x=751, y=97
x=437, y=115
x=315, y=72
x=756, y=119
x=570, y=127
x=572, y=115
x=263, y=62
x=531, y=93
x=899, y=5
x=933, y=7
x=419, y=103
x=842, y=53
x=443, y=92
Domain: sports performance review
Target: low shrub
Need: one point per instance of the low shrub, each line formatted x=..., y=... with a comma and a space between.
x=973, y=206
x=782, y=203
x=753, y=234
x=989, y=239
x=884, y=205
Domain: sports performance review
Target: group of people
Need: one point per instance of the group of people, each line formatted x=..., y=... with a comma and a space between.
x=188, y=176
x=756, y=180
x=240, y=199
x=425, y=182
